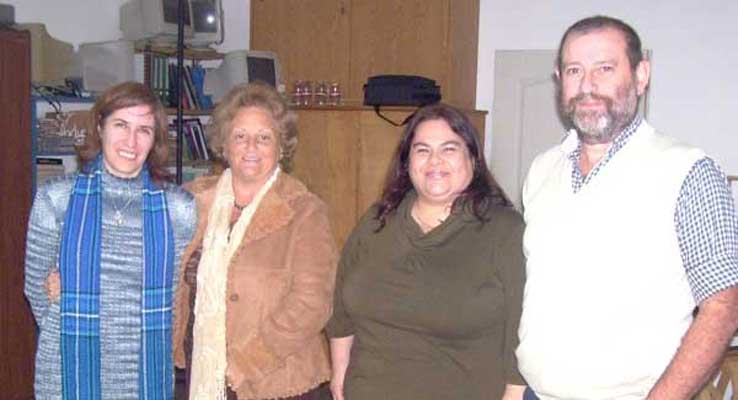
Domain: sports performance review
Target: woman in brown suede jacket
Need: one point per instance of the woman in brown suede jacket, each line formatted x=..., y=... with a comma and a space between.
x=260, y=270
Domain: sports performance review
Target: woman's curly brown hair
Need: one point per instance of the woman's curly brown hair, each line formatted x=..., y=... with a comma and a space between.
x=254, y=95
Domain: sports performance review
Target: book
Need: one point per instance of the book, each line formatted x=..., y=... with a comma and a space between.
x=190, y=87
x=198, y=80
x=199, y=136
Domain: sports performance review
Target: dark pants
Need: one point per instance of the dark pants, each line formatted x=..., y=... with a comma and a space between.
x=529, y=394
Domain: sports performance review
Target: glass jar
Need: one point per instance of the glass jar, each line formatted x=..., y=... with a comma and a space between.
x=320, y=97
x=334, y=94
x=307, y=93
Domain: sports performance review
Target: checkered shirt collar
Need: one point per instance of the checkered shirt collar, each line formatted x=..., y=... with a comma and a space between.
x=578, y=180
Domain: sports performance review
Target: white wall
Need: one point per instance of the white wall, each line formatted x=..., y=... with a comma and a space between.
x=694, y=89
x=81, y=21
x=73, y=21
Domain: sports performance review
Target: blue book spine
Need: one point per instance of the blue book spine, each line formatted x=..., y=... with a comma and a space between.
x=198, y=79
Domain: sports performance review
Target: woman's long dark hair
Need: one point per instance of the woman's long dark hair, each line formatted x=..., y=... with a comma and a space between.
x=481, y=193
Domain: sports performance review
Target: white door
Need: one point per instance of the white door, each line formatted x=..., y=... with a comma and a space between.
x=525, y=120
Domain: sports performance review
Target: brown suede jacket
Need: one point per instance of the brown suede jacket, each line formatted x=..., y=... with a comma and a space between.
x=279, y=292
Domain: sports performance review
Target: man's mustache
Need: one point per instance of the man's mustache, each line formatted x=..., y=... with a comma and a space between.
x=582, y=97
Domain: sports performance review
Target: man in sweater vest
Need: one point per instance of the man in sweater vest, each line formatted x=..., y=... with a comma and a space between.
x=628, y=231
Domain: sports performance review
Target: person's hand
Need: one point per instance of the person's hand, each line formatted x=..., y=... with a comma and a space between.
x=236, y=379
x=337, y=388
x=53, y=286
x=513, y=392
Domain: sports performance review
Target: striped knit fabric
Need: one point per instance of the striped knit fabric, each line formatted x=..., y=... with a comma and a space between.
x=80, y=302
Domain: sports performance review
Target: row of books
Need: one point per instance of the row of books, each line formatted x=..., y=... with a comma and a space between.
x=159, y=78
x=164, y=79
x=193, y=139
x=193, y=97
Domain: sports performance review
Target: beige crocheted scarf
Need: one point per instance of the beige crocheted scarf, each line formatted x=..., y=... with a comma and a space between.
x=208, y=375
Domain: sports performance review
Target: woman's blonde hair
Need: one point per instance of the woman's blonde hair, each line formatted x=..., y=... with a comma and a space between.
x=254, y=95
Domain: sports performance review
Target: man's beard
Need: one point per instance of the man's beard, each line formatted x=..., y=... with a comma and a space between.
x=596, y=126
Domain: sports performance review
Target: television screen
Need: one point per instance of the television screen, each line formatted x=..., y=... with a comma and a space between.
x=170, y=12
x=207, y=24
x=153, y=21
x=204, y=16
x=261, y=69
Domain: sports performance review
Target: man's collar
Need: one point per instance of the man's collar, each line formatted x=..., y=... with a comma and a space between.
x=571, y=142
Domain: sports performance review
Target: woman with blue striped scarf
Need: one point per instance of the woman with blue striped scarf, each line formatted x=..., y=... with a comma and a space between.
x=102, y=258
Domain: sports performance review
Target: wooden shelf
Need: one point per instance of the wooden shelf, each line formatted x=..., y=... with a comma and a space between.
x=196, y=113
x=189, y=53
x=358, y=105
x=195, y=163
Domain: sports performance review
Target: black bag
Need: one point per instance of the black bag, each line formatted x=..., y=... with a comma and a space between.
x=400, y=90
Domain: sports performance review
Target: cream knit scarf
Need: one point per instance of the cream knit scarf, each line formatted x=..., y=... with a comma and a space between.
x=209, y=363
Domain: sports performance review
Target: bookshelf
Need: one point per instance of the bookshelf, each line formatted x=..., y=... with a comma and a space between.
x=160, y=74
x=165, y=79
x=196, y=157
x=189, y=54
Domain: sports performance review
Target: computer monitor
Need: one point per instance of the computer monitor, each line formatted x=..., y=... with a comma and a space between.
x=153, y=21
x=207, y=23
x=105, y=64
x=242, y=66
x=52, y=60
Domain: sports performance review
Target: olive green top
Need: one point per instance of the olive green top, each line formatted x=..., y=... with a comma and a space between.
x=435, y=315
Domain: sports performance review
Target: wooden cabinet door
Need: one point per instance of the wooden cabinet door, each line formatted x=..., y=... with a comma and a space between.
x=398, y=37
x=378, y=140
x=436, y=39
x=347, y=41
x=461, y=87
x=311, y=38
x=325, y=160
x=18, y=337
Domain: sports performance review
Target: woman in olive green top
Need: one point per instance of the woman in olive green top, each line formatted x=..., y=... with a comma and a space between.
x=430, y=282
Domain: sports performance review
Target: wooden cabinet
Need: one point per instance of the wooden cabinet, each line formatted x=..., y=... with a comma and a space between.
x=309, y=37
x=347, y=41
x=343, y=154
x=18, y=337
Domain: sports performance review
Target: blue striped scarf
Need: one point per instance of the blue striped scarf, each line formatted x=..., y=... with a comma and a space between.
x=79, y=266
